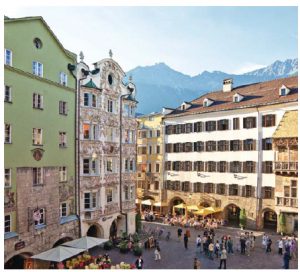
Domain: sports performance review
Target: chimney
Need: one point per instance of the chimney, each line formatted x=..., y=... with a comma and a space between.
x=227, y=85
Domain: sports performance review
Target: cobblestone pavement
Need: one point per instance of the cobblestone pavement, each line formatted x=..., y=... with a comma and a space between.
x=175, y=256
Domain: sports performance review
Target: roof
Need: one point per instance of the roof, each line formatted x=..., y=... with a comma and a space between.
x=288, y=126
x=31, y=18
x=90, y=84
x=256, y=94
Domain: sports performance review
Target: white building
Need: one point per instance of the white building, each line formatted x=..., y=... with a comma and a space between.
x=218, y=149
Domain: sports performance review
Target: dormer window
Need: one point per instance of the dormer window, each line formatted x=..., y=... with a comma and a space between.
x=185, y=106
x=207, y=102
x=283, y=90
x=237, y=98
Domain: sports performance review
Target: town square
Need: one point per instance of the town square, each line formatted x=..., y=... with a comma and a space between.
x=150, y=137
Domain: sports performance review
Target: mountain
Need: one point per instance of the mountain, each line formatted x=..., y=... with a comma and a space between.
x=160, y=86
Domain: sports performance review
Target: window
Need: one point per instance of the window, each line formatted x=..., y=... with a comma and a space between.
x=131, y=165
x=170, y=129
x=110, y=106
x=90, y=166
x=39, y=217
x=63, y=209
x=233, y=189
x=198, y=166
x=37, y=43
x=283, y=91
x=109, y=165
x=62, y=139
x=158, y=133
x=210, y=125
x=109, y=195
x=235, y=167
x=236, y=123
x=185, y=186
x=198, y=127
x=86, y=166
x=89, y=100
x=249, y=144
x=168, y=166
x=37, y=68
x=86, y=131
x=7, y=94
x=188, y=128
x=209, y=188
x=126, y=192
x=158, y=149
x=37, y=175
x=221, y=188
x=7, y=134
x=63, y=78
x=267, y=167
x=63, y=107
x=223, y=145
x=211, y=146
x=37, y=101
x=188, y=147
x=7, y=178
x=211, y=166
x=86, y=99
x=149, y=167
x=37, y=136
x=62, y=173
x=268, y=120
x=249, y=167
x=286, y=190
x=176, y=165
x=293, y=188
x=8, y=57
x=187, y=165
x=142, y=134
x=179, y=129
x=267, y=144
x=249, y=122
x=110, y=134
x=90, y=200
x=235, y=145
x=7, y=223
x=197, y=187
x=222, y=166
x=223, y=124
x=248, y=191
x=268, y=192
x=157, y=168
x=150, y=134
x=198, y=146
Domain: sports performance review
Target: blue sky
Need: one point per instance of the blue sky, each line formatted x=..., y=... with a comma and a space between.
x=188, y=39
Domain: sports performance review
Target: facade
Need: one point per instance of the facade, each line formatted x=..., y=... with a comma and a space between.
x=107, y=176
x=150, y=162
x=218, y=149
x=285, y=145
x=39, y=150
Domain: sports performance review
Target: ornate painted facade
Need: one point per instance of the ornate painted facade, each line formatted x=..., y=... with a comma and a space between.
x=107, y=209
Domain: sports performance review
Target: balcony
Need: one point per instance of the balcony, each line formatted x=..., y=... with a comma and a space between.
x=280, y=166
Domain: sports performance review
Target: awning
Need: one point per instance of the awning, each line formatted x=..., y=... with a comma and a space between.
x=160, y=204
x=147, y=202
x=207, y=211
x=180, y=206
x=85, y=242
x=58, y=254
x=192, y=208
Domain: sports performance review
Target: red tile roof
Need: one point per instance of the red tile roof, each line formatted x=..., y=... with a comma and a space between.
x=256, y=94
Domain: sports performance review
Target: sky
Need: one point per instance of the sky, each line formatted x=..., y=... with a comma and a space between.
x=188, y=39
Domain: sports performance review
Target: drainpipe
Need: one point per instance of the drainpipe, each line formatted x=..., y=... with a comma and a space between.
x=71, y=68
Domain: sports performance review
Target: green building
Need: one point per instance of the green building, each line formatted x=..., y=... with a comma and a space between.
x=39, y=144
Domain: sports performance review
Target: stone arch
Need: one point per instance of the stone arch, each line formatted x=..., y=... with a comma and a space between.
x=232, y=214
x=175, y=201
x=62, y=240
x=95, y=230
x=205, y=204
x=18, y=261
x=269, y=218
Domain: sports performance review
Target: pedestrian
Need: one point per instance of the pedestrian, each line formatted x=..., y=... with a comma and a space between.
x=211, y=250
x=217, y=249
x=198, y=243
x=252, y=239
x=280, y=246
x=196, y=263
x=185, y=240
x=205, y=245
x=248, y=246
x=179, y=232
x=223, y=258
x=229, y=245
x=286, y=260
x=188, y=233
x=264, y=241
x=139, y=263
x=157, y=254
x=243, y=244
x=293, y=250
x=269, y=243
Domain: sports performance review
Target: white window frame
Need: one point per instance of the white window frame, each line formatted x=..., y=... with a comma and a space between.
x=64, y=209
x=62, y=139
x=7, y=177
x=7, y=219
x=6, y=60
x=7, y=89
x=7, y=133
x=38, y=176
x=63, y=109
x=92, y=200
x=110, y=105
x=63, y=173
x=63, y=78
x=94, y=167
x=37, y=101
x=37, y=136
x=109, y=161
x=37, y=68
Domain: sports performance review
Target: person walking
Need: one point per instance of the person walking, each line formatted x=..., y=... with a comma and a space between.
x=229, y=245
x=198, y=244
x=179, y=232
x=211, y=250
x=243, y=244
x=286, y=260
x=248, y=246
x=264, y=241
x=252, y=240
x=280, y=246
x=223, y=258
x=293, y=250
x=217, y=249
x=196, y=263
x=185, y=240
x=269, y=243
x=139, y=263
x=157, y=254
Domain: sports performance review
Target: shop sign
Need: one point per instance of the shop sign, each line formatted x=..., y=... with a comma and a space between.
x=19, y=245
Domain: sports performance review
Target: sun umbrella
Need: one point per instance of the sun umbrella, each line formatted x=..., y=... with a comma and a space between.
x=58, y=254
x=85, y=242
x=192, y=208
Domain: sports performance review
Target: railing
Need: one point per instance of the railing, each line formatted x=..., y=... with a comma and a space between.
x=286, y=166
